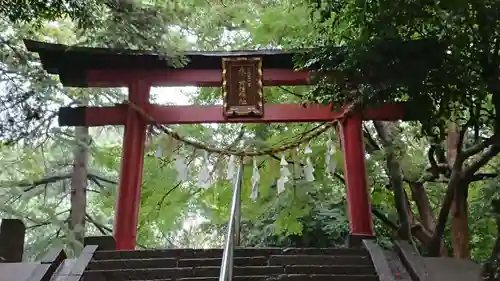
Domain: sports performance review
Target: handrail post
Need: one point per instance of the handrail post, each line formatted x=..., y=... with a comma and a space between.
x=233, y=229
x=237, y=213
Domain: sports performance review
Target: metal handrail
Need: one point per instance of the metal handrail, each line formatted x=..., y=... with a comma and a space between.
x=233, y=230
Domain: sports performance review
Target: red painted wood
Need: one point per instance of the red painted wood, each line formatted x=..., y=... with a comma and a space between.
x=106, y=115
x=127, y=209
x=273, y=113
x=189, y=77
x=358, y=198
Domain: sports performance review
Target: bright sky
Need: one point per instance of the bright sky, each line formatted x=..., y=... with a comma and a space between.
x=173, y=95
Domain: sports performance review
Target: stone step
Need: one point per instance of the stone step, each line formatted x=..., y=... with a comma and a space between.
x=161, y=273
x=289, y=277
x=319, y=260
x=217, y=253
x=171, y=262
x=278, y=260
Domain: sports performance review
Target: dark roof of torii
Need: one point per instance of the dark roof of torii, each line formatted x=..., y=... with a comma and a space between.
x=56, y=57
x=70, y=61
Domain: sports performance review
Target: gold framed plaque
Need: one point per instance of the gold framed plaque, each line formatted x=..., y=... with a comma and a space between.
x=242, y=87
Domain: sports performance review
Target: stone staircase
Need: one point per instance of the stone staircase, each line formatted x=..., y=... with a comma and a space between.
x=250, y=264
x=368, y=263
x=99, y=261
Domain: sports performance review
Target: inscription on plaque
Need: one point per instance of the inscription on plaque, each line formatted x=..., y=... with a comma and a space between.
x=242, y=86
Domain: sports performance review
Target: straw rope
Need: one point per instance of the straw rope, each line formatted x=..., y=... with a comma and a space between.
x=242, y=153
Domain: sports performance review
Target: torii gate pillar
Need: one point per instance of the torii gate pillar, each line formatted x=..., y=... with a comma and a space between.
x=358, y=197
x=132, y=164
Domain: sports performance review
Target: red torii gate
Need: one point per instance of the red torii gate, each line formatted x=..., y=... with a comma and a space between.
x=139, y=71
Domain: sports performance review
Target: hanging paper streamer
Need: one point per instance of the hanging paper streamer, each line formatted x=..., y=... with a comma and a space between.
x=231, y=167
x=255, y=181
x=309, y=168
x=284, y=174
x=330, y=162
x=283, y=161
x=308, y=149
x=297, y=167
x=181, y=167
x=204, y=176
x=159, y=150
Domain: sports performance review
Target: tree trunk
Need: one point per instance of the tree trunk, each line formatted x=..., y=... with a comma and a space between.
x=459, y=210
x=386, y=132
x=456, y=183
x=460, y=225
x=79, y=184
x=418, y=231
x=491, y=268
x=422, y=201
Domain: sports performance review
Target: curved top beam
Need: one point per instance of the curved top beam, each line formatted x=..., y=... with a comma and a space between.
x=106, y=67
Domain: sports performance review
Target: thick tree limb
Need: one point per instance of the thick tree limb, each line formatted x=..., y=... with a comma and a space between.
x=385, y=131
x=439, y=165
x=476, y=148
x=417, y=230
x=422, y=201
x=482, y=160
x=371, y=143
x=490, y=268
x=484, y=176
x=458, y=184
x=455, y=180
x=461, y=135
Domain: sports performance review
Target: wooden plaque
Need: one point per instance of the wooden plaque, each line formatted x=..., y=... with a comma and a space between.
x=242, y=86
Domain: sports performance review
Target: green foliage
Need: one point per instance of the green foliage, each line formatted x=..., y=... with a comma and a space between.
x=38, y=11
x=176, y=214
x=445, y=68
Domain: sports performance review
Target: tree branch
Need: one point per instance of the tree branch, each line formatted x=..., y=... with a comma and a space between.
x=52, y=179
x=101, y=178
x=339, y=177
x=290, y=92
x=384, y=219
x=476, y=148
x=461, y=135
x=102, y=228
x=483, y=176
x=105, y=230
x=455, y=183
x=385, y=132
x=490, y=268
x=47, y=180
x=491, y=152
x=372, y=144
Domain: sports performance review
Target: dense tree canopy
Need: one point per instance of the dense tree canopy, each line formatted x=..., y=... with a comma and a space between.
x=440, y=56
